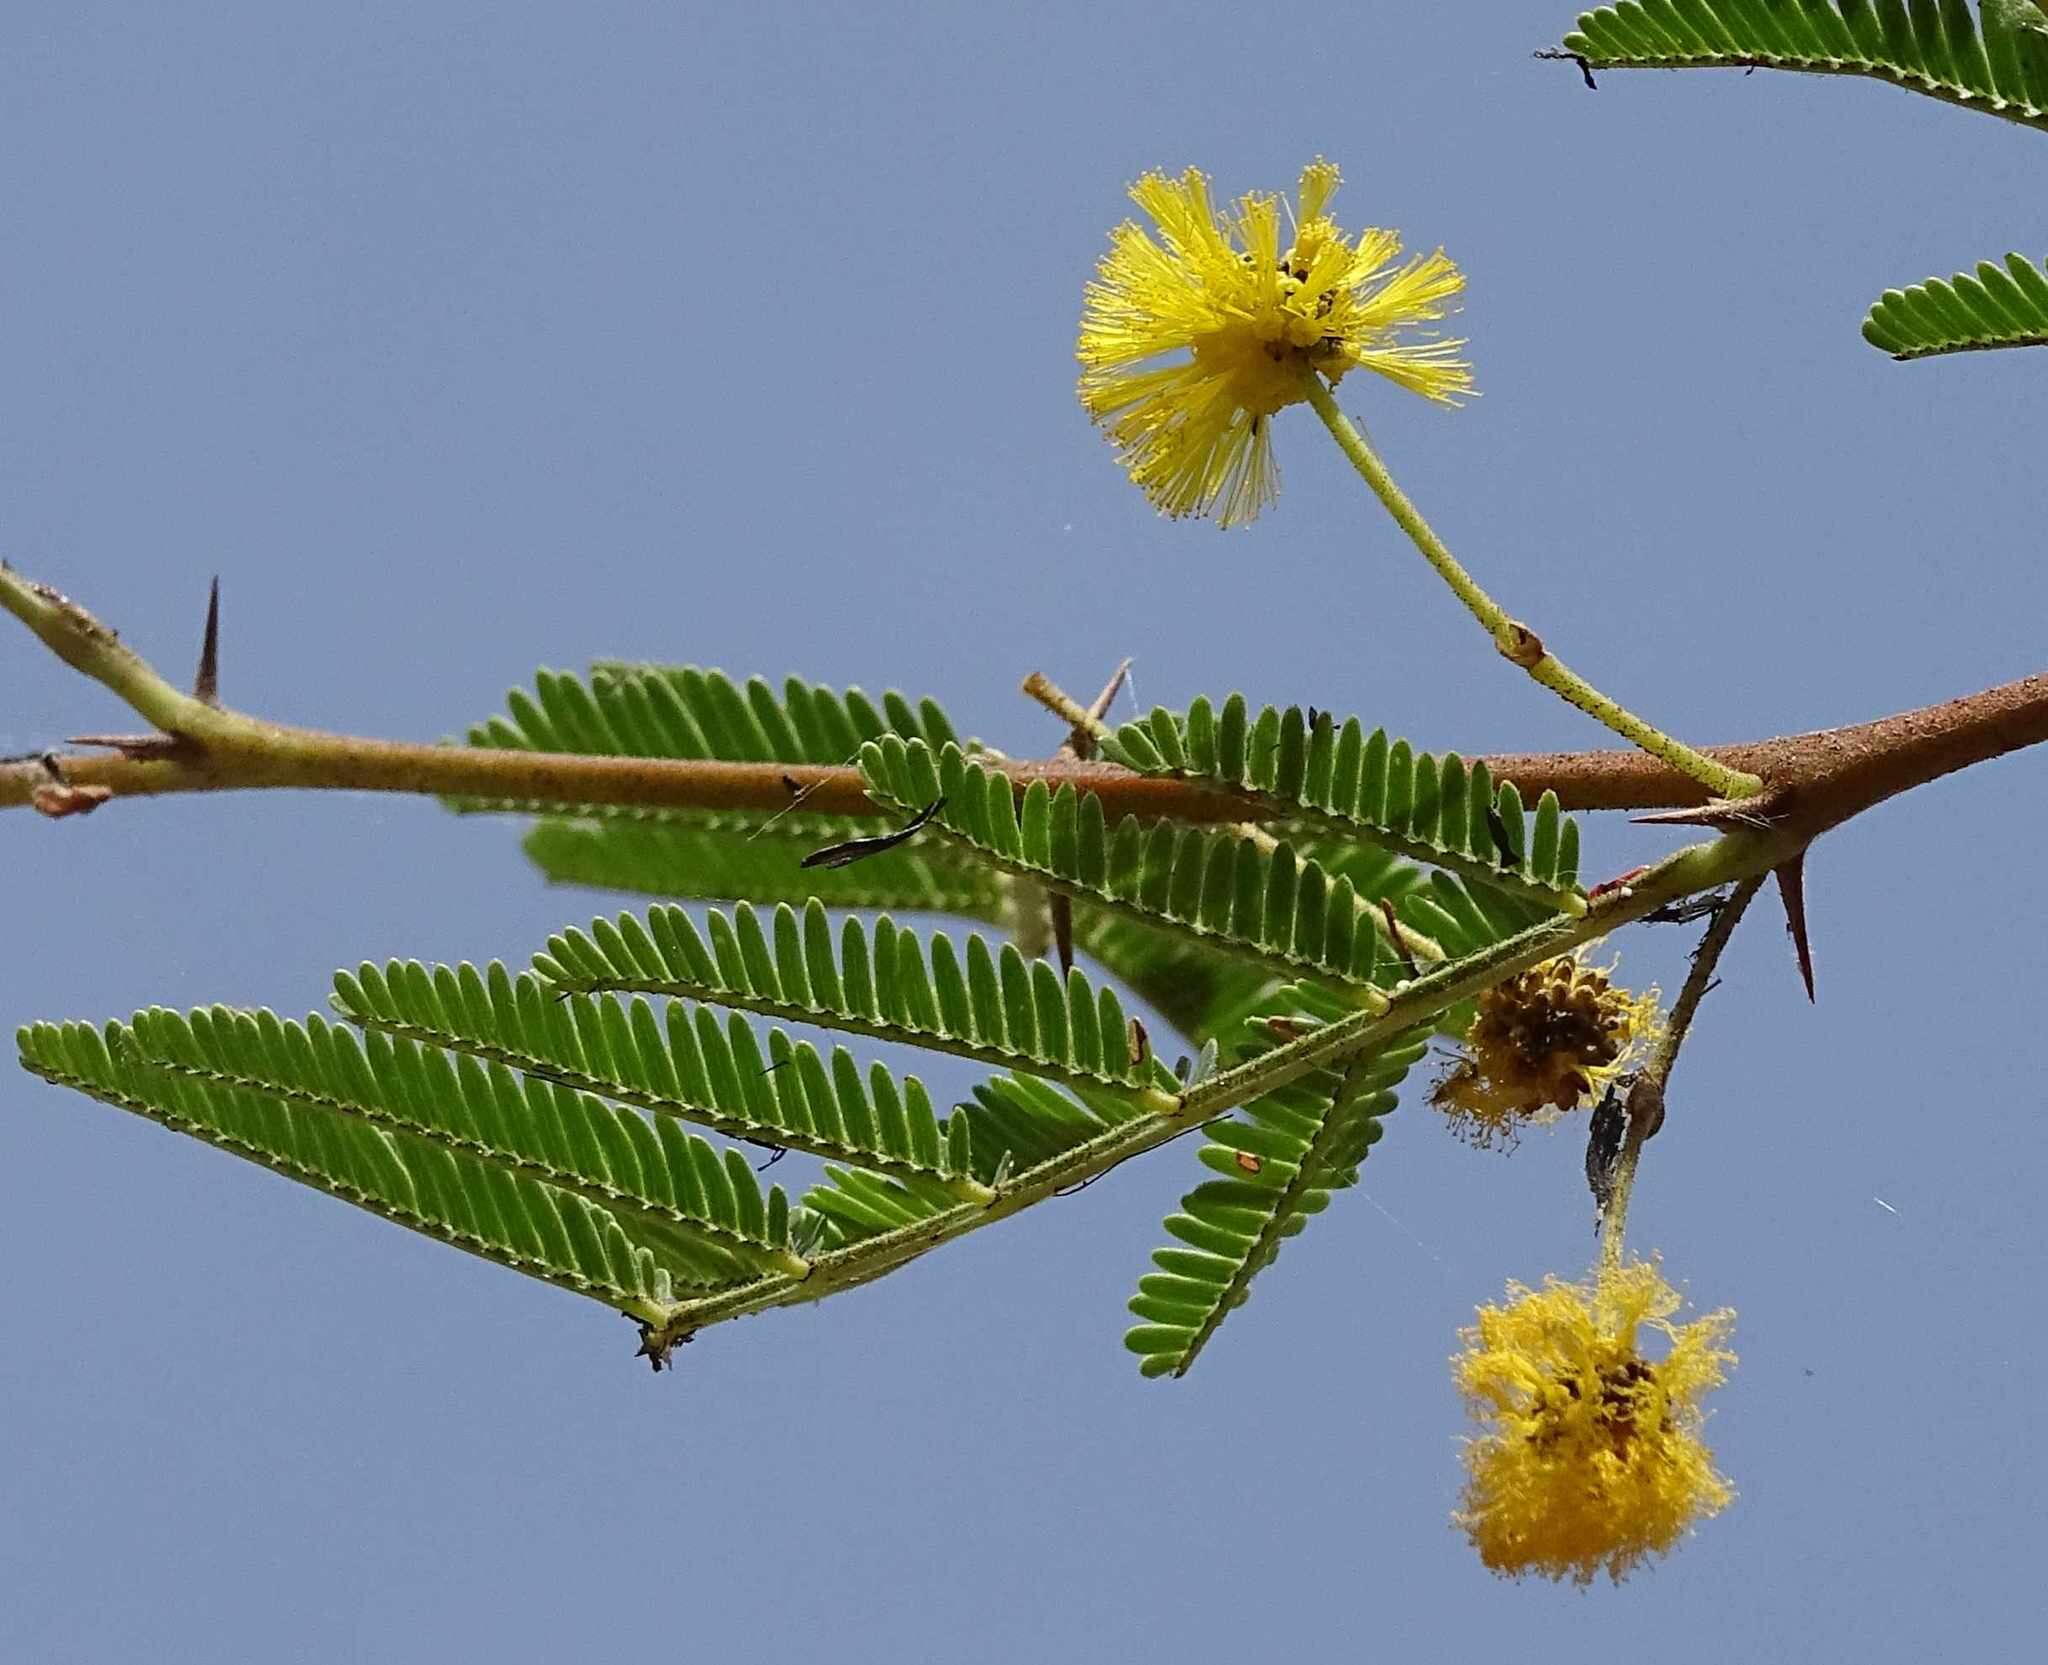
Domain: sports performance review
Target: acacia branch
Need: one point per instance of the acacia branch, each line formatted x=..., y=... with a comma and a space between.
x=1816, y=780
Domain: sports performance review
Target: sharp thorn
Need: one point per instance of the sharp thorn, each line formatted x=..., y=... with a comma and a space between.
x=1791, y=878
x=206, y=685
x=1110, y=690
x=1722, y=814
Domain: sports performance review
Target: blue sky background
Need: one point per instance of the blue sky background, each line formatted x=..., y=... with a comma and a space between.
x=462, y=339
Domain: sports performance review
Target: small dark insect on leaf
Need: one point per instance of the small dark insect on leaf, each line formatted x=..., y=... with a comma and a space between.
x=1683, y=912
x=1603, y=1147
x=1557, y=54
x=1497, y=830
x=1138, y=1043
x=1183, y=1067
x=859, y=849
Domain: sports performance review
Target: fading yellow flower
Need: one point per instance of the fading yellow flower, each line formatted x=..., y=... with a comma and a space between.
x=1592, y=1456
x=1256, y=322
x=1547, y=1039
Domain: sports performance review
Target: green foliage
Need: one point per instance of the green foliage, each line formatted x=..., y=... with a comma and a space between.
x=689, y=1065
x=2000, y=306
x=1279, y=1159
x=1205, y=994
x=1338, y=780
x=1926, y=46
x=986, y=1003
x=1217, y=887
x=467, y=1113
x=1282, y=1154
x=681, y=711
x=1200, y=992
x=547, y=1181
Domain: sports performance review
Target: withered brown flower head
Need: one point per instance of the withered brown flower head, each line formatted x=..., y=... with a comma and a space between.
x=1546, y=1040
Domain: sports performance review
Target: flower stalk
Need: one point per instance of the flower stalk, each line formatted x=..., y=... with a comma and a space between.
x=1645, y=1104
x=1514, y=640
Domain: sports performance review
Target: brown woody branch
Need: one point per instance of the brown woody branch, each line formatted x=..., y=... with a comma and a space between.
x=1812, y=781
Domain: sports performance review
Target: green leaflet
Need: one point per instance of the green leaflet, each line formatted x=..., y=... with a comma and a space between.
x=1998, y=306
x=979, y=1002
x=1340, y=782
x=300, y=1101
x=681, y=711
x=688, y=1065
x=1278, y=1159
x=1926, y=46
x=1217, y=888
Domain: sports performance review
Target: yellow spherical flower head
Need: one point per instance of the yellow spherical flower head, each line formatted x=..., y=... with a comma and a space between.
x=1591, y=1456
x=1546, y=1040
x=1255, y=321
